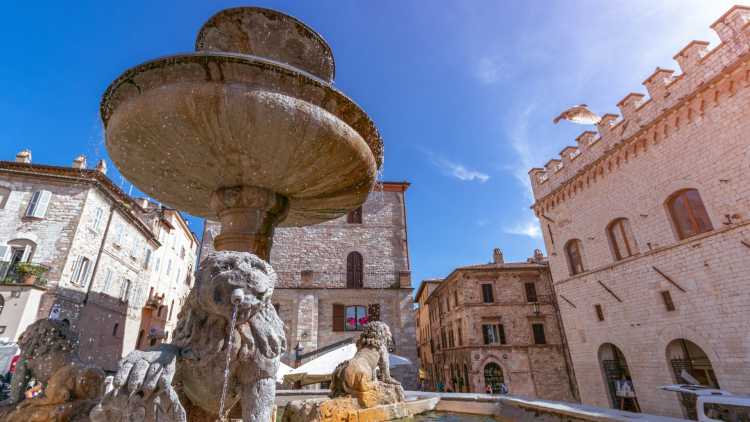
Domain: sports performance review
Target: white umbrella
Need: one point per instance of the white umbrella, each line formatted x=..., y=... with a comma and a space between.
x=321, y=368
x=283, y=370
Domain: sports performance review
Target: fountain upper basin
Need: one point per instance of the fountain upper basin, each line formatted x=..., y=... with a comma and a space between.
x=182, y=127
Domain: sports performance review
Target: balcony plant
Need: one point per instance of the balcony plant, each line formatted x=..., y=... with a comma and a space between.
x=30, y=273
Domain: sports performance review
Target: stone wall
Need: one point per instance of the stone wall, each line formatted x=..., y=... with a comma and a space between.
x=700, y=142
x=529, y=369
x=311, y=264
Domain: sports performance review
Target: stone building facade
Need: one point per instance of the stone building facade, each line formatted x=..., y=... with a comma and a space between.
x=335, y=276
x=171, y=274
x=498, y=323
x=90, y=236
x=647, y=224
x=425, y=344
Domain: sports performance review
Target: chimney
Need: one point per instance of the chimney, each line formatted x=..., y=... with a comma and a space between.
x=538, y=255
x=80, y=162
x=101, y=167
x=24, y=156
x=497, y=256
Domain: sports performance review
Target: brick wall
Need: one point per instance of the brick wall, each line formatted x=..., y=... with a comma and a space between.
x=311, y=264
x=529, y=369
x=696, y=137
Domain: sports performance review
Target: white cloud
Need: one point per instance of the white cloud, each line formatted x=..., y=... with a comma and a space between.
x=460, y=172
x=529, y=227
x=488, y=70
x=519, y=141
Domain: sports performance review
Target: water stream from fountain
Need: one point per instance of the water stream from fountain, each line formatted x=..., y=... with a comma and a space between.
x=225, y=387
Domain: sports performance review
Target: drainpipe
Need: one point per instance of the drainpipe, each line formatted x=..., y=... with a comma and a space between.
x=99, y=255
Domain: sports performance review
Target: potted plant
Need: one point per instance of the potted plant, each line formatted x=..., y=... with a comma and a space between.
x=29, y=273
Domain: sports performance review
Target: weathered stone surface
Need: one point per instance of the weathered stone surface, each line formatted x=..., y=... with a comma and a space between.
x=70, y=388
x=196, y=359
x=241, y=120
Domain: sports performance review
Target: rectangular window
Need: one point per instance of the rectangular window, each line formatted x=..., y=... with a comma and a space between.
x=444, y=338
x=487, y=295
x=107, y=281
x=169, y=266
x=38, y=204
x=98, y=216
x=146, y=257
x=447, y=303
x=455, y=298
x=451, y=339
x=538, y=330
x=599, y=312
x=125, y=290
x=530, y=292
x=460, y=334
x=493, y=333
x=81, y=271
x=667, y=298
x=177, y=279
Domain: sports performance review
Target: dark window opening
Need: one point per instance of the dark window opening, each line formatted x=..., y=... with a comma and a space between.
x=530, y=292
x=354, y=216
x=539, y=337
x=599, y=312
x=354, y=271
x=487, y=295
x=667, y=298
x=493, y=333
x=114, y=330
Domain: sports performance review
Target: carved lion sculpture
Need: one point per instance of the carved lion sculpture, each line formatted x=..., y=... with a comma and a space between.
x=148, y=384
x=49, y=355
x=359, y=377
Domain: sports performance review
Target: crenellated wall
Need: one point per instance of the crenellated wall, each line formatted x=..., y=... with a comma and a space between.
x=708, y=77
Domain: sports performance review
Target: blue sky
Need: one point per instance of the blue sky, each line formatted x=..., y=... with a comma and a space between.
x=463, y=92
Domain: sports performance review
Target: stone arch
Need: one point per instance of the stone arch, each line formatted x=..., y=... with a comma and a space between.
x=617, y=377
x=690, y=364
x=493, y=376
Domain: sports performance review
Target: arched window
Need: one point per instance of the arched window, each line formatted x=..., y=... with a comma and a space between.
x=354, y=270
x=493, y=377
x=690, y=364
x=575, y=258
x=621, y=239
x=688, y=214
x=617, y=377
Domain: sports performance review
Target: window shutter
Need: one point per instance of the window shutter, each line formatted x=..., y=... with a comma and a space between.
x=485, y=334
x=30, y=209
x=146, y=257
x=339, y=317
x=26, y=253
x=85, y=264
x=41, y=208
x=107, y=281
x=76, y=270
x=4, y=252
x=501, y=332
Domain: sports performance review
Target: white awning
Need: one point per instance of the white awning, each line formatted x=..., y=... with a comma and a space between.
x=321, y=368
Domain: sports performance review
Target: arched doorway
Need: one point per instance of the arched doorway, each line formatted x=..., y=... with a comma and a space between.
x=493, y=377
x=617, y=376
x=690, y=365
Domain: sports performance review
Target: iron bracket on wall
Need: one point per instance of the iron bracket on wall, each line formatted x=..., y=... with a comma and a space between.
x=609, y=290
x=569, y=302
x=666, y=277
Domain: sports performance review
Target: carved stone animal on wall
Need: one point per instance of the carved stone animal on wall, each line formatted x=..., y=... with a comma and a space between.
x=154, y=385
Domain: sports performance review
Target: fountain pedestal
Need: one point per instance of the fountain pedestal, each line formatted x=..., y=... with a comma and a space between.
x=248, y=216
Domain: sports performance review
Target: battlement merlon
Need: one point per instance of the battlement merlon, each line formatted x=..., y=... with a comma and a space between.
x=708, y=75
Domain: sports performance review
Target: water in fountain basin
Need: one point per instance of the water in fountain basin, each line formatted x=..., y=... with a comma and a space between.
x=225, y=387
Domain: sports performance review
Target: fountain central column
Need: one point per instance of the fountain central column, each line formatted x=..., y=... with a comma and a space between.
x=248, y=216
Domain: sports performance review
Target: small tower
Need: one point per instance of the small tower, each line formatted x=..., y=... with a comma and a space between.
x=24, y=156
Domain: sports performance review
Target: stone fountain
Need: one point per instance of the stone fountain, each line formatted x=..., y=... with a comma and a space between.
x=250, y=131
